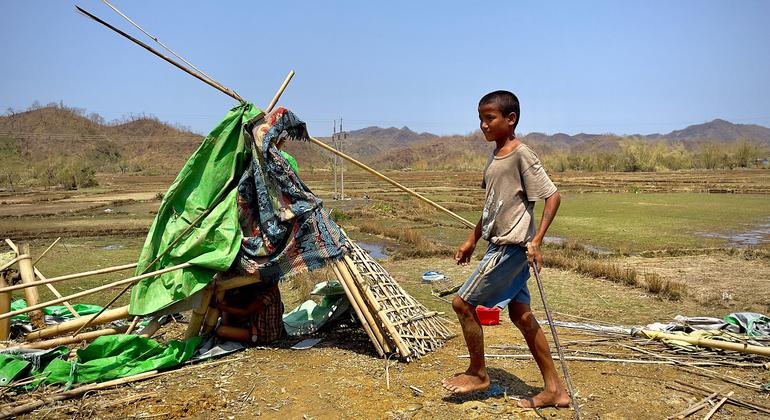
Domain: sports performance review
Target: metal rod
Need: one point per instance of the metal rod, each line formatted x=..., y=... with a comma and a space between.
x=562, y=360
x=216, y=85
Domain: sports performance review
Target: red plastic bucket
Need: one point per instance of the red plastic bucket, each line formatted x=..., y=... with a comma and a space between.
x=488, y=316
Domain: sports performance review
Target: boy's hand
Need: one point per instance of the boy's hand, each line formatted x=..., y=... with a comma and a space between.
x=464, y=253
x=534, y=255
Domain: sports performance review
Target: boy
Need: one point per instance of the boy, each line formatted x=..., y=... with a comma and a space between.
x=513, y=179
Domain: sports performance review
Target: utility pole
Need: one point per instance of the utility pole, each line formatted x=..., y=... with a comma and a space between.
x=334, y=160
x=342, y=135
x=338, y=164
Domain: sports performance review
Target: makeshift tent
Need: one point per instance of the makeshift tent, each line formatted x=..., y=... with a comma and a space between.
x=263, y=218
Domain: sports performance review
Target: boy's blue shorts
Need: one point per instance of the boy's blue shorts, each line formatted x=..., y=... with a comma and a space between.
x=500, y=277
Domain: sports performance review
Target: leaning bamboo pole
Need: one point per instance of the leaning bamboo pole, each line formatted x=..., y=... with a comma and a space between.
x=69, y=277
x=211, y=82
x=5, y=306
x=705, y=342
x=398, y=185
x=394, y=335
x=13, y=261
x=129, y=280
x=348, y=280
x=57, y=294
x=30, y=294
x=359, y=313
x=40, y=275
x=67, y=326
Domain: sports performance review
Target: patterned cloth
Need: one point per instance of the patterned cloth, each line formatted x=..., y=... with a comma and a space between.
x=285, y=229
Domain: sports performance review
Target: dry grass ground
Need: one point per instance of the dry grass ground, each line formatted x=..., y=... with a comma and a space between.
x=342, y=378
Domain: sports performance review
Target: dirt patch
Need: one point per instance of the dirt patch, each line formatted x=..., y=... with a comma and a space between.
x=718, y=280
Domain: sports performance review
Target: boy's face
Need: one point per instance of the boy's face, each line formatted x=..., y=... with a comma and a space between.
x=494, y=124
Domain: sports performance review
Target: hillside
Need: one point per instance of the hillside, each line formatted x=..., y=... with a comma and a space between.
x=140, y=144
x=47, y=138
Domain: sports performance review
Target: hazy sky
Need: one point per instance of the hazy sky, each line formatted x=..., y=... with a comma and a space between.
x=577, y=66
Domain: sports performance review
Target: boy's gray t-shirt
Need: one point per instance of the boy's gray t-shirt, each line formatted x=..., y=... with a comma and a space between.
x=513, y=183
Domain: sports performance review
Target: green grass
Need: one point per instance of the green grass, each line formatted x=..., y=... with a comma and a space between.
x=86, y=254
x=636, y=222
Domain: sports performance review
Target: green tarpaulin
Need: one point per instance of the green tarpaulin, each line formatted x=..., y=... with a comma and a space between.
x=107, y=358
x=59, y=311
x=207, y=179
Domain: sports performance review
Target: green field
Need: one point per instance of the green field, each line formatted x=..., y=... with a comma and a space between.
x=630, y=222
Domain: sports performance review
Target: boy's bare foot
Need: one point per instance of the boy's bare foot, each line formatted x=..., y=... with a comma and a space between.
x=463, y=383
x=546, y=399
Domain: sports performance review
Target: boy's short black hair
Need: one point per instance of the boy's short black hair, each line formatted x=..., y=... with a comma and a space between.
x=506, y=101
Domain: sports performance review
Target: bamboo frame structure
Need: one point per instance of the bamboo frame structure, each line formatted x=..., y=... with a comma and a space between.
x=69, y=277
x=63, y=341
x=129, y=280
x=407, y=325
x=67, y=326
x=40, y=275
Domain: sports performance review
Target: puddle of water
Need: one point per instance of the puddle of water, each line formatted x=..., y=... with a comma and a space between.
x=112, y=247
x=588, y=247
x=377, y=251
x=757, y=236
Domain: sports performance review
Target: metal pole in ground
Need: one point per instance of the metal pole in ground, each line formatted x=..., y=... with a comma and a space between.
x=556, y=343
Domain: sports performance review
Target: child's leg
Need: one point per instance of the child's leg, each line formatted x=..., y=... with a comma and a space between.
x=553, y=394
x=475, y=378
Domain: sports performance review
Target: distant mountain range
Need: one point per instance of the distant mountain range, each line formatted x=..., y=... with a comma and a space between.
x=147, y=144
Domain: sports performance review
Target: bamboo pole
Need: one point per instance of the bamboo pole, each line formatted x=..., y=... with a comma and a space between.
x=196, y=320
x=5, y=306
x=129, y=280
x=210, y=82
x=376, y=329
x=705, y=342
x=132, y=325
x=154, y=38
x=695, y=407
x=67, y=326
x=212, y=316
x=719, y=405
x=14, y=409
x=63, y=341
x=208, y=210
x=358, y=312
x=40, y=275
x=40, y=257
x=14, y=261
x=30, y=293
x=381, y=313
x=57, y=294
x=393, y=182
x=280, y=92
x=17, y=410
x=69, y=277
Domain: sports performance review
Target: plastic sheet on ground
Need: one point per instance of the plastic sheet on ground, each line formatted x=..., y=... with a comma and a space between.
x=310, y=316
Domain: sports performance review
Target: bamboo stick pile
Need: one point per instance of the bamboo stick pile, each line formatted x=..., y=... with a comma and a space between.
x=394, y=320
